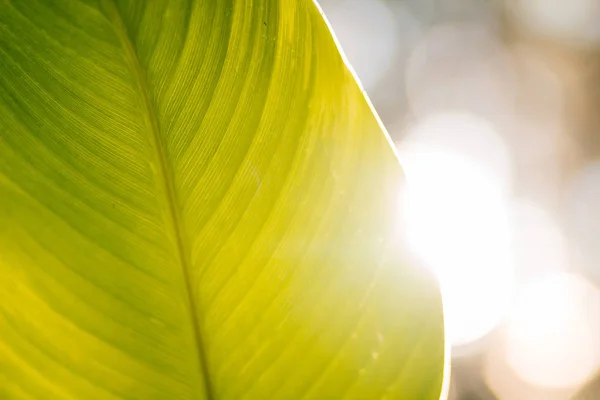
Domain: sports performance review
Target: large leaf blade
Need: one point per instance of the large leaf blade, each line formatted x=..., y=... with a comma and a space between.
x=197, y=201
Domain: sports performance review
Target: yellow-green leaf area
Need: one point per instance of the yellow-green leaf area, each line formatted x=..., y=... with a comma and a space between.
x=197, y=202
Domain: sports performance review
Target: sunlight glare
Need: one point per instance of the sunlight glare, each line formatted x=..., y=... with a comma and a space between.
x=456, y=219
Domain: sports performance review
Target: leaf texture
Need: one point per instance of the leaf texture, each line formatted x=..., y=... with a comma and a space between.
x=197, y=202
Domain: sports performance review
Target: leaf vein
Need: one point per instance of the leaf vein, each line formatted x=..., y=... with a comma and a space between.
x=166, y=181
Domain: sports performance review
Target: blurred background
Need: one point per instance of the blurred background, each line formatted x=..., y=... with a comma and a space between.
x=494, y=106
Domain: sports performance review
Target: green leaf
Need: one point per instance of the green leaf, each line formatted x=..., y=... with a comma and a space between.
x=197, y=202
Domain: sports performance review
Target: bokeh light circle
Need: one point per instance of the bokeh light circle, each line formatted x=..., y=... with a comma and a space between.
x=367, y=30
x=552, y=338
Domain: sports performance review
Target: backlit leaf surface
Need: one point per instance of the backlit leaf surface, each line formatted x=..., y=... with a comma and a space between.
x=197, y=202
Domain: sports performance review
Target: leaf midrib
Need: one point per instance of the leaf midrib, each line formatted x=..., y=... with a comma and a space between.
x=165, y=178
